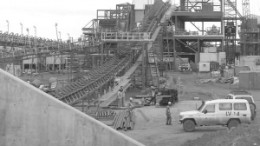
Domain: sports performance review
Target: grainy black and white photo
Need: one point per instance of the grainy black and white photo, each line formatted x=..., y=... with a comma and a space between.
x=130, y=73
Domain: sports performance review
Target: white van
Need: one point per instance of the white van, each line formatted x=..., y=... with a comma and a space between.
x=247, y=96
x=224, y=112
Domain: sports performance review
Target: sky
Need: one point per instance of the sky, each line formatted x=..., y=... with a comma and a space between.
x=70, y=15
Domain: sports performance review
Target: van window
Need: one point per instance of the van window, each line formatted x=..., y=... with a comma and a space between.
x=240, y=106
x=229, y=97
x=210, y=108
x=202, y=105
x=225, y=106
x=249, y=99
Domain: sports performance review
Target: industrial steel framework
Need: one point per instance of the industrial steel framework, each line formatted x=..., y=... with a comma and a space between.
x=178, y=43
x=246, y=8
x=250, y=33
x=231, y=17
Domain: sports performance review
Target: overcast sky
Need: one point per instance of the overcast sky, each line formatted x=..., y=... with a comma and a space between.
x=70, y=15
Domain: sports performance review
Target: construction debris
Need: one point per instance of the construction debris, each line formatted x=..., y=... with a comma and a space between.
x=231, y=80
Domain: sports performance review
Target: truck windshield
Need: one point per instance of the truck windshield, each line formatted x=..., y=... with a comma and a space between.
x=202, y=104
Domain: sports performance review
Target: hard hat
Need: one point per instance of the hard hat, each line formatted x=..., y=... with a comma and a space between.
x=130, y=98
x=169, y=103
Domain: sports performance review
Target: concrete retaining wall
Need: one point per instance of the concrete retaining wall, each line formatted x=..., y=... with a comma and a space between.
x=30, y=117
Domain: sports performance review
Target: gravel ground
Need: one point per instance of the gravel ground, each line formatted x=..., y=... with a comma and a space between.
x=151, y=129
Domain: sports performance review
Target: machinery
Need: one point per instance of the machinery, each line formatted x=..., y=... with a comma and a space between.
x=162, y=97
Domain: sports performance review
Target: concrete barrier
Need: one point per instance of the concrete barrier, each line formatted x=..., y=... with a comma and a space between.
x=30, y=117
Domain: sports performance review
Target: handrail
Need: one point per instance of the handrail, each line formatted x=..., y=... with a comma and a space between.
x=125, y=36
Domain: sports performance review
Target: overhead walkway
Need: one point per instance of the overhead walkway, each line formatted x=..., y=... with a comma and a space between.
x=126, y=36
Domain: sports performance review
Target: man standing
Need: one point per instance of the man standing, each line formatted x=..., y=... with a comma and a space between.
x=129, y=117
x=120, y=97
x=154, y=93
x=168, y=114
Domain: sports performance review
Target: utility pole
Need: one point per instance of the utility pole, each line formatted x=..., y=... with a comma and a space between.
x=60, y=53
x=36, y=51
x=22, y=46
x=7, y=26
x=71, y=59
x=21, y=28
x=60, y=35
x=69, y=41
x=56, y=28
x=35, y=31
x=28, y=32
x=28, y=36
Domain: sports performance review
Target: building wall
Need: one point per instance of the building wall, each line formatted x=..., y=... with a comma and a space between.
x=208, y=57
x=139, y=15
x=249, y=80
x=30, y=117
x=252, y=61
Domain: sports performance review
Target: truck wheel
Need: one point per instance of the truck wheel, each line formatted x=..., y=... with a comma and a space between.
x=233, y=123
x=252, y=108
x=188, y=125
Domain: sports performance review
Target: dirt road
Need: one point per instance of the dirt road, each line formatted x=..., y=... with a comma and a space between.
x=152, y=129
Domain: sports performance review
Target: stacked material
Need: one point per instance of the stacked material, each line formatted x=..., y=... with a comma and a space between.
x=105, y=115
x=122, y=121
x=102, y=114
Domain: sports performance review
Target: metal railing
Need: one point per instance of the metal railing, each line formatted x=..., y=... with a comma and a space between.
x=126, y=36
x=250, y=30
x=196, y=33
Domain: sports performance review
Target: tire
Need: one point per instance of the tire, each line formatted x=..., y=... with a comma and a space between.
x=233, y=123
x=252, y=108
x=188, y=125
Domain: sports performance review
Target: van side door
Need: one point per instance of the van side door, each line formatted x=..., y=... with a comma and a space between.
x=208, y=115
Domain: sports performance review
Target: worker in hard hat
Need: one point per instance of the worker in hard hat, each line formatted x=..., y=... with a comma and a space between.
x=121, y=97
x=168, y=114
x=131, y=101
x=154, y=93
x=129, y=117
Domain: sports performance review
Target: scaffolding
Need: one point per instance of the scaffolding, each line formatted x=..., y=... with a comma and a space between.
x=250, y=33
x=184, y=45
x=231, y=17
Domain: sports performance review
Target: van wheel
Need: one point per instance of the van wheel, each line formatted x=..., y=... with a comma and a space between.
x=252, y=108
x=233, y=123
x=188, y=125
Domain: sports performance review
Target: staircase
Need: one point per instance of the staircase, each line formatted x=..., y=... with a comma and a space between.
x=154, y=47
x=153, y=64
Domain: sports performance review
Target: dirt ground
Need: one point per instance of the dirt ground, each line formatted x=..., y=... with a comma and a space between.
x=62, y=78
x=151, y=129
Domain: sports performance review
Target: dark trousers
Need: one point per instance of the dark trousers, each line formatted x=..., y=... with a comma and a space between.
x=168, y=120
